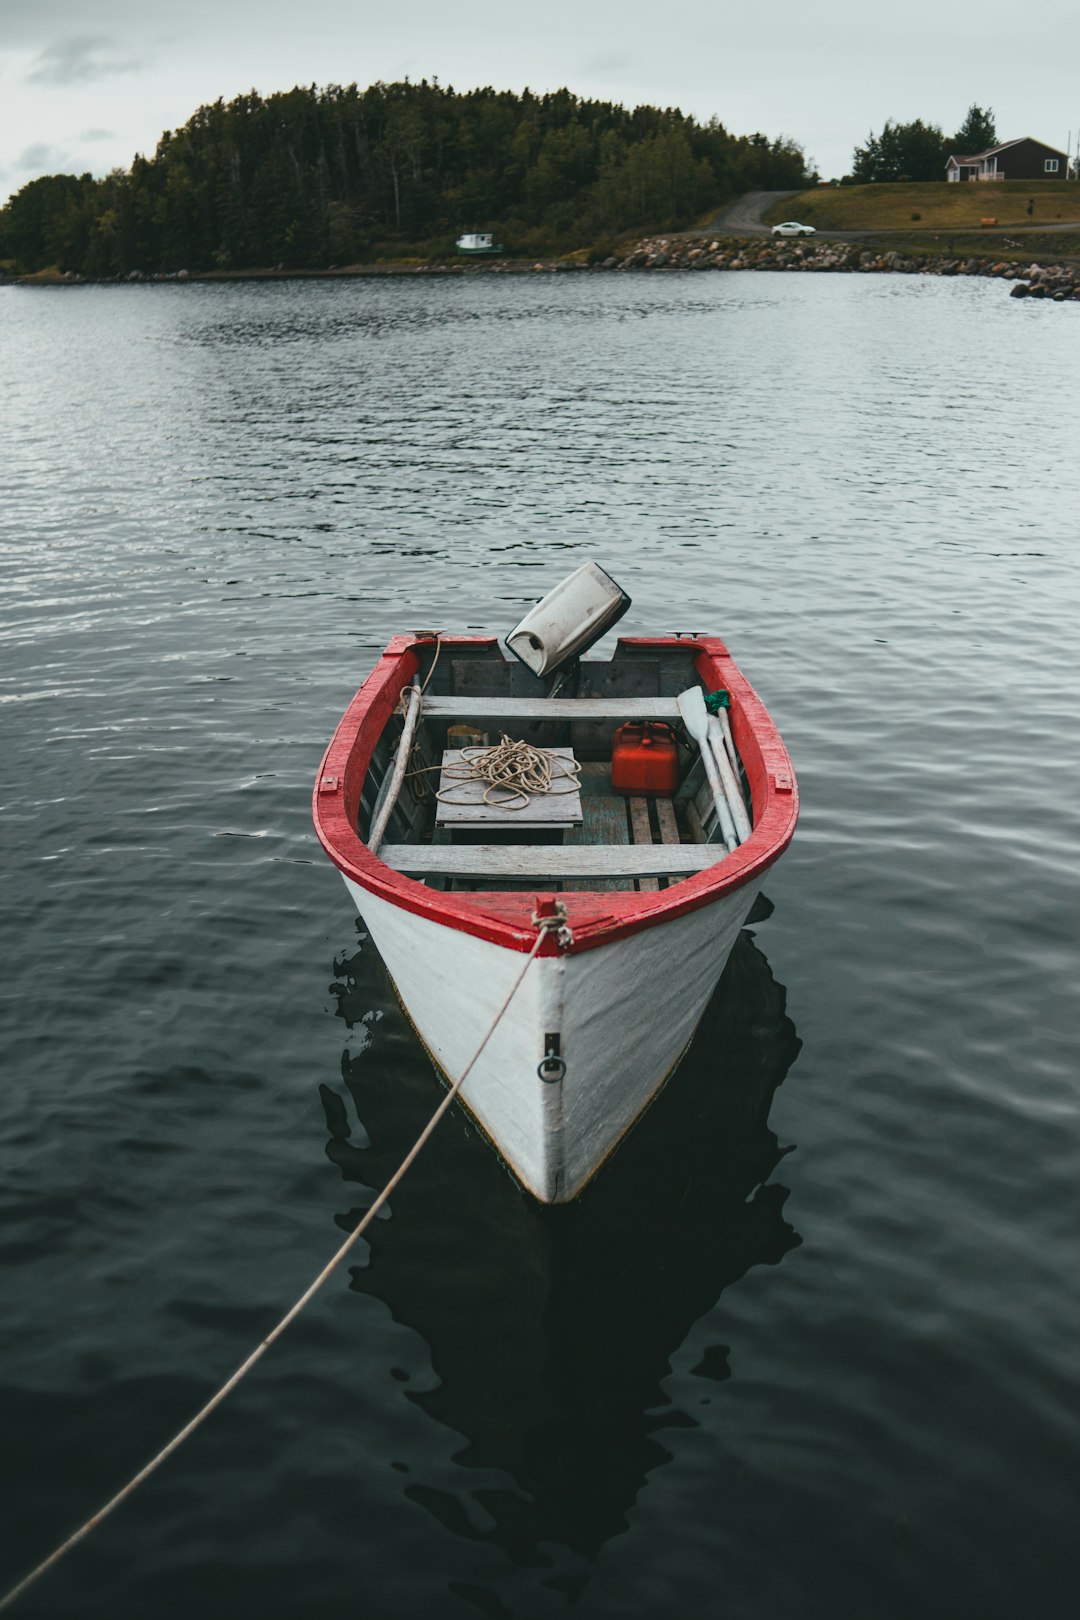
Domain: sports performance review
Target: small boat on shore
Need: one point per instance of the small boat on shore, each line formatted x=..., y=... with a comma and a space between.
x=478, y=243
x=669, y=795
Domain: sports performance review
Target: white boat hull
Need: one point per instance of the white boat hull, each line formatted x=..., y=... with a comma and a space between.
x=624, y=1013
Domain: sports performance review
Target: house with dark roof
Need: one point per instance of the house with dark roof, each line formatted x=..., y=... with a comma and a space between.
x=1024, y=159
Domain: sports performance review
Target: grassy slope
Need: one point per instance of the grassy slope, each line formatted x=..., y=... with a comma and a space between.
x=941, y=206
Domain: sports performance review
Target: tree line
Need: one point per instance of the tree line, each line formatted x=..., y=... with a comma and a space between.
x=919, y=151
x=314, y=177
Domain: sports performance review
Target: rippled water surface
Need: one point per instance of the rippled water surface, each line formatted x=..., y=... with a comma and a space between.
x=837, y=1382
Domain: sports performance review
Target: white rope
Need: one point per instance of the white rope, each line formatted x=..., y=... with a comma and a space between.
x=545, y=925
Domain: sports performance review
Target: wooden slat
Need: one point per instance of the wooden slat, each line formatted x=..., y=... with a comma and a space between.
x=504, y=708
x=697, y=828
x=669, y=827
x=637, y=677
x=603, y=822
x=603, y=812
x=414, y=805
x=478, y=674
x=377, y=784
x=639, y=823
x=557, y=861
x=691, y=783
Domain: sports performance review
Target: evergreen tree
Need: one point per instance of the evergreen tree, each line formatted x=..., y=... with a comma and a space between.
x=312, y=177
x=46, y=223
x=914, y=151
x=977, y=133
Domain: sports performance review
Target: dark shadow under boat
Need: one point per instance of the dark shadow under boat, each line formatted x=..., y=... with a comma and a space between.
x=551, y=1330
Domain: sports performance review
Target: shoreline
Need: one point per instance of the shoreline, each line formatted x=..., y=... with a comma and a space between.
x=1058, y=278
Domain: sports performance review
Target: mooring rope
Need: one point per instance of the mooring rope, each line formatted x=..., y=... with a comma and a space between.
x=544, y=925
x=434, y=661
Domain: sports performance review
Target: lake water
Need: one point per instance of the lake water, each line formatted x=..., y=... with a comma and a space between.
x=835, y=1382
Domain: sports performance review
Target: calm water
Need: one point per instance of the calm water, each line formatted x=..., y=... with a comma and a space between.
x=731, y=1381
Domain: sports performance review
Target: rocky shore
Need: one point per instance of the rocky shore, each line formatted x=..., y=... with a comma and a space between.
x=1057, y=281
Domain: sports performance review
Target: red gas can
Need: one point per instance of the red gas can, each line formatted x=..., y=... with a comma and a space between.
x=645, y=758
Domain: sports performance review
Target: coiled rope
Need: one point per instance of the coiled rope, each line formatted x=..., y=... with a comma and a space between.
x=513, y=772
x=556, y=924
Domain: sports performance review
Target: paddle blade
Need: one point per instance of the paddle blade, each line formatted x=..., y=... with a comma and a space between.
x=695, y=716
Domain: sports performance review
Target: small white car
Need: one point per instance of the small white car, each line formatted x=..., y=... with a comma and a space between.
x=791, y=227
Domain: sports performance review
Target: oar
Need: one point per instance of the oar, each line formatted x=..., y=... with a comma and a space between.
x=732, y=752
x=721, y=713
x=728, y=779
x=404, y=749
x=736, y=764
x=729, y=744
x=696, y=720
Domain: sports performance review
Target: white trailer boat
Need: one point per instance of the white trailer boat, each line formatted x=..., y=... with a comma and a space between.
x=649, y=888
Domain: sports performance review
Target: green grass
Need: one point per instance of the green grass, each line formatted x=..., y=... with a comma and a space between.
x=939, y=205
x=1026, y=248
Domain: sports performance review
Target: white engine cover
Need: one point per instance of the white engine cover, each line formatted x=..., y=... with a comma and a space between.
x=568, y=620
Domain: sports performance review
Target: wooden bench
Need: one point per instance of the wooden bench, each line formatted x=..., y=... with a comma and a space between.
x=557, y=861
x=466, y=805
x=540, y=708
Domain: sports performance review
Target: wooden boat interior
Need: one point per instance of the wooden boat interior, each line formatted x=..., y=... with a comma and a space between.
x=622, y=842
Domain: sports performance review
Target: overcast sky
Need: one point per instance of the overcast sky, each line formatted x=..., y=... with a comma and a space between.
x=86, y=84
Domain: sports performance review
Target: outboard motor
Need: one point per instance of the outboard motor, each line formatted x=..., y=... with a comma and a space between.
x=569, y=620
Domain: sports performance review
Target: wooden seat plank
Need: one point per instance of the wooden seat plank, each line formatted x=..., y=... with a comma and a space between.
x=542, y=708
x=556, y=861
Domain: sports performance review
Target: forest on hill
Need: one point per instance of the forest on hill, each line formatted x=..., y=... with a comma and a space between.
x=314, y=177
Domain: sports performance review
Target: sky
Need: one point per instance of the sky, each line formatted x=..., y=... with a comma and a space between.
x=85, y=85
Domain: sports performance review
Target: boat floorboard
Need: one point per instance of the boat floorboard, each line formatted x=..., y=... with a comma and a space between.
x=603, y=823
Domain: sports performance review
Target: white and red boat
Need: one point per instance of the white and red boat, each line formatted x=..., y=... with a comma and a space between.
x=654, y=885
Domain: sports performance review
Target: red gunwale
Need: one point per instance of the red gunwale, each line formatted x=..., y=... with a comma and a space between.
x=595, y=918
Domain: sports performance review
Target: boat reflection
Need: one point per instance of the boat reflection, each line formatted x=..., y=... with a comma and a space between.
x=551, y=1329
